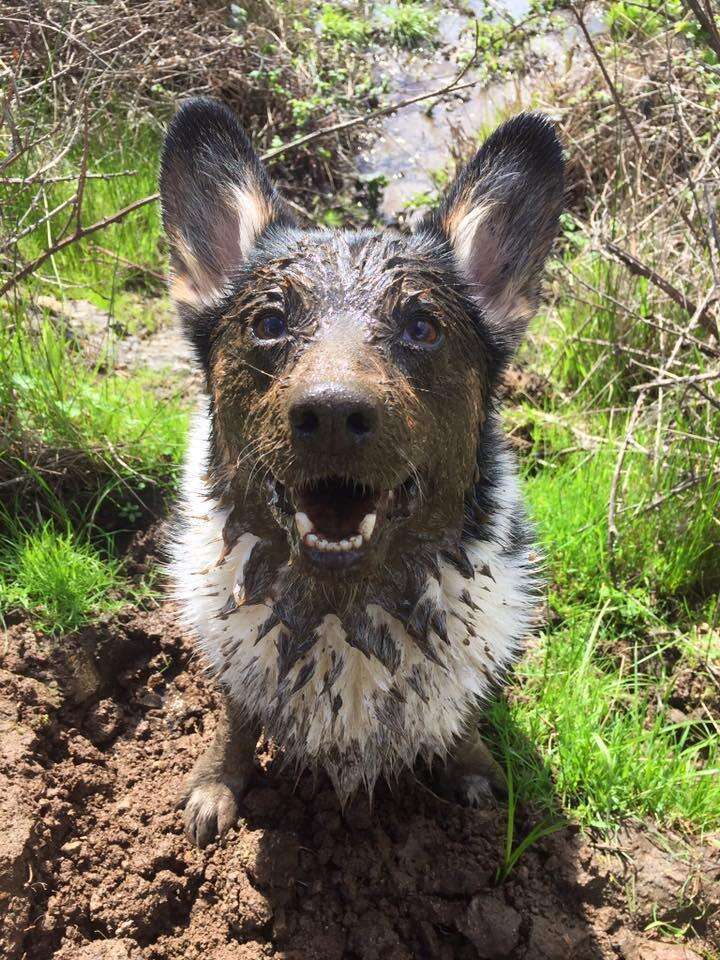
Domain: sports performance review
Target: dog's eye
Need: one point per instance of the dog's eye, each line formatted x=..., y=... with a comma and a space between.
x=270, y=326
x=421, y=331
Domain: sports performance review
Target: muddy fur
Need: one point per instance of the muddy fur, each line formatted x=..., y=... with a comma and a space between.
x=360, y=666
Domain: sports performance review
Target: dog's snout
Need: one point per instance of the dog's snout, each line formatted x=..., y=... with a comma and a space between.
x=334, y=416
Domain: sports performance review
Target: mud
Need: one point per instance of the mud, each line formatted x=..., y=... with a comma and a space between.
x=94, y=865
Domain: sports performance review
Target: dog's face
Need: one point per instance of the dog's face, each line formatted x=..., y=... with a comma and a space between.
x=351, y=374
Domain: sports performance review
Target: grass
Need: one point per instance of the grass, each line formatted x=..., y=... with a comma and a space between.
x=410, y=23
x=58, y=578
x=95, y=453
x=593, y=719
x=589, y=730
x=625, y=19
x=127, y=157
x=87, y=451
x=113, y=440
x=342, y=27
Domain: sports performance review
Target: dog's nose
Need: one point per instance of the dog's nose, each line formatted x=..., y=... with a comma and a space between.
x=334, y=417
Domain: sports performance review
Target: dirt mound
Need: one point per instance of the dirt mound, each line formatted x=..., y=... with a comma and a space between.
x=94, y=866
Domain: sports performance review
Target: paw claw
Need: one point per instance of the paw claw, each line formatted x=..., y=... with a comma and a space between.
x=210, y=811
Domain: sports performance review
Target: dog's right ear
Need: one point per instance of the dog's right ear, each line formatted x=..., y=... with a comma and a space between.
x=216, y=201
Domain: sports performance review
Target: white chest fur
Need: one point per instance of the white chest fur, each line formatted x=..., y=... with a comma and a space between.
x=361, y=719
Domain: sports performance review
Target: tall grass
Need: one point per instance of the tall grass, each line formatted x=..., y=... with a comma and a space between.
x=588, y=727
x=79, y=438
x=595, y=724
x=410, y=23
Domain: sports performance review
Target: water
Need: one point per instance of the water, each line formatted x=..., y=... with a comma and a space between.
x=414, y=146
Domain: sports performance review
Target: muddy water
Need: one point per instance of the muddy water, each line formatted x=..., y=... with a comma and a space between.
x=413, y=147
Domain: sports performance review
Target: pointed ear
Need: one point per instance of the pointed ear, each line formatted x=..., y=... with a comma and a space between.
x=501, y=216
x=216, y=200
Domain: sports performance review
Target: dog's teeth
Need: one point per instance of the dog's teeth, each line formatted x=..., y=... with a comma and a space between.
x=333, y=546
x=303, y=523
x=368, y=525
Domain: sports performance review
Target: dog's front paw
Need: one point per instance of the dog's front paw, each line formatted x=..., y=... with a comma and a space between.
x=472, y=777
x=210, y=810
x=474, y=790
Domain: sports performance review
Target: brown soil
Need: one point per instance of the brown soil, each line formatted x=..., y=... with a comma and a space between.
x=98, y=730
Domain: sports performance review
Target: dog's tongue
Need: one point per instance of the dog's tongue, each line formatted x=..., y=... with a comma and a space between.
x=336, y=508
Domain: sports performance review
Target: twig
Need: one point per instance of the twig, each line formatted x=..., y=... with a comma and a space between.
x=67, y=178
x=608, y=80
x=161, y=277
x=451, y=87
x=366, y=118
x=612, y=534
x=707, y=22
x=656, y=502
x=672, y=381
x=80, y=193
x=77, y=235
x=640, y=269
x=11, y=241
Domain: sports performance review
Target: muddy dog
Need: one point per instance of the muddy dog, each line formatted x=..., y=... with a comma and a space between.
x=352, y=549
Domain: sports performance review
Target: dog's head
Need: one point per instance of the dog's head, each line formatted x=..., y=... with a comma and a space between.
x=351, y=374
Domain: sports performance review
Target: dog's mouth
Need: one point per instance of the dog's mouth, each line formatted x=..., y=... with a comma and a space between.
x=338, y=520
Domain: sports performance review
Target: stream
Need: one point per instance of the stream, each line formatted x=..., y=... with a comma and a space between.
x=412, y=148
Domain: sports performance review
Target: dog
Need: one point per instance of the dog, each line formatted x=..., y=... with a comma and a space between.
x=351, y=548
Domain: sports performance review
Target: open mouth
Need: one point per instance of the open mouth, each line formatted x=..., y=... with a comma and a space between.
x=338, y=519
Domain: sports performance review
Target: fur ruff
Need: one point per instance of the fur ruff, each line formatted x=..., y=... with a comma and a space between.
x=339, y=708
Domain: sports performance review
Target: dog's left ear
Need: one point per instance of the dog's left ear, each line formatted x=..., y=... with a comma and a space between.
x=216, y=201
x=501, y=215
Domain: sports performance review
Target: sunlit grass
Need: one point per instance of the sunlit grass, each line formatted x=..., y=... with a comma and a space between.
x=339, y=25
x=410, y=23
x=592, y=735
x=117, y=434
x=58, y=578
x=128, y=157
x=588, y=729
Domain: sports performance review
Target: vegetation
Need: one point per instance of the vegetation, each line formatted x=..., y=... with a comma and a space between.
x=410, y=23
x=61, y=580
x=613, y=713
x=620, y=447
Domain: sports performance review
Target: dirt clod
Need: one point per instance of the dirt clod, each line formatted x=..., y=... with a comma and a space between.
x=492, y=926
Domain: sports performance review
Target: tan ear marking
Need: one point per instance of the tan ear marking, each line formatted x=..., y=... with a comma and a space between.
x=462, y=228
x=253, y=211
x=455, y=216
x=191, y=286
